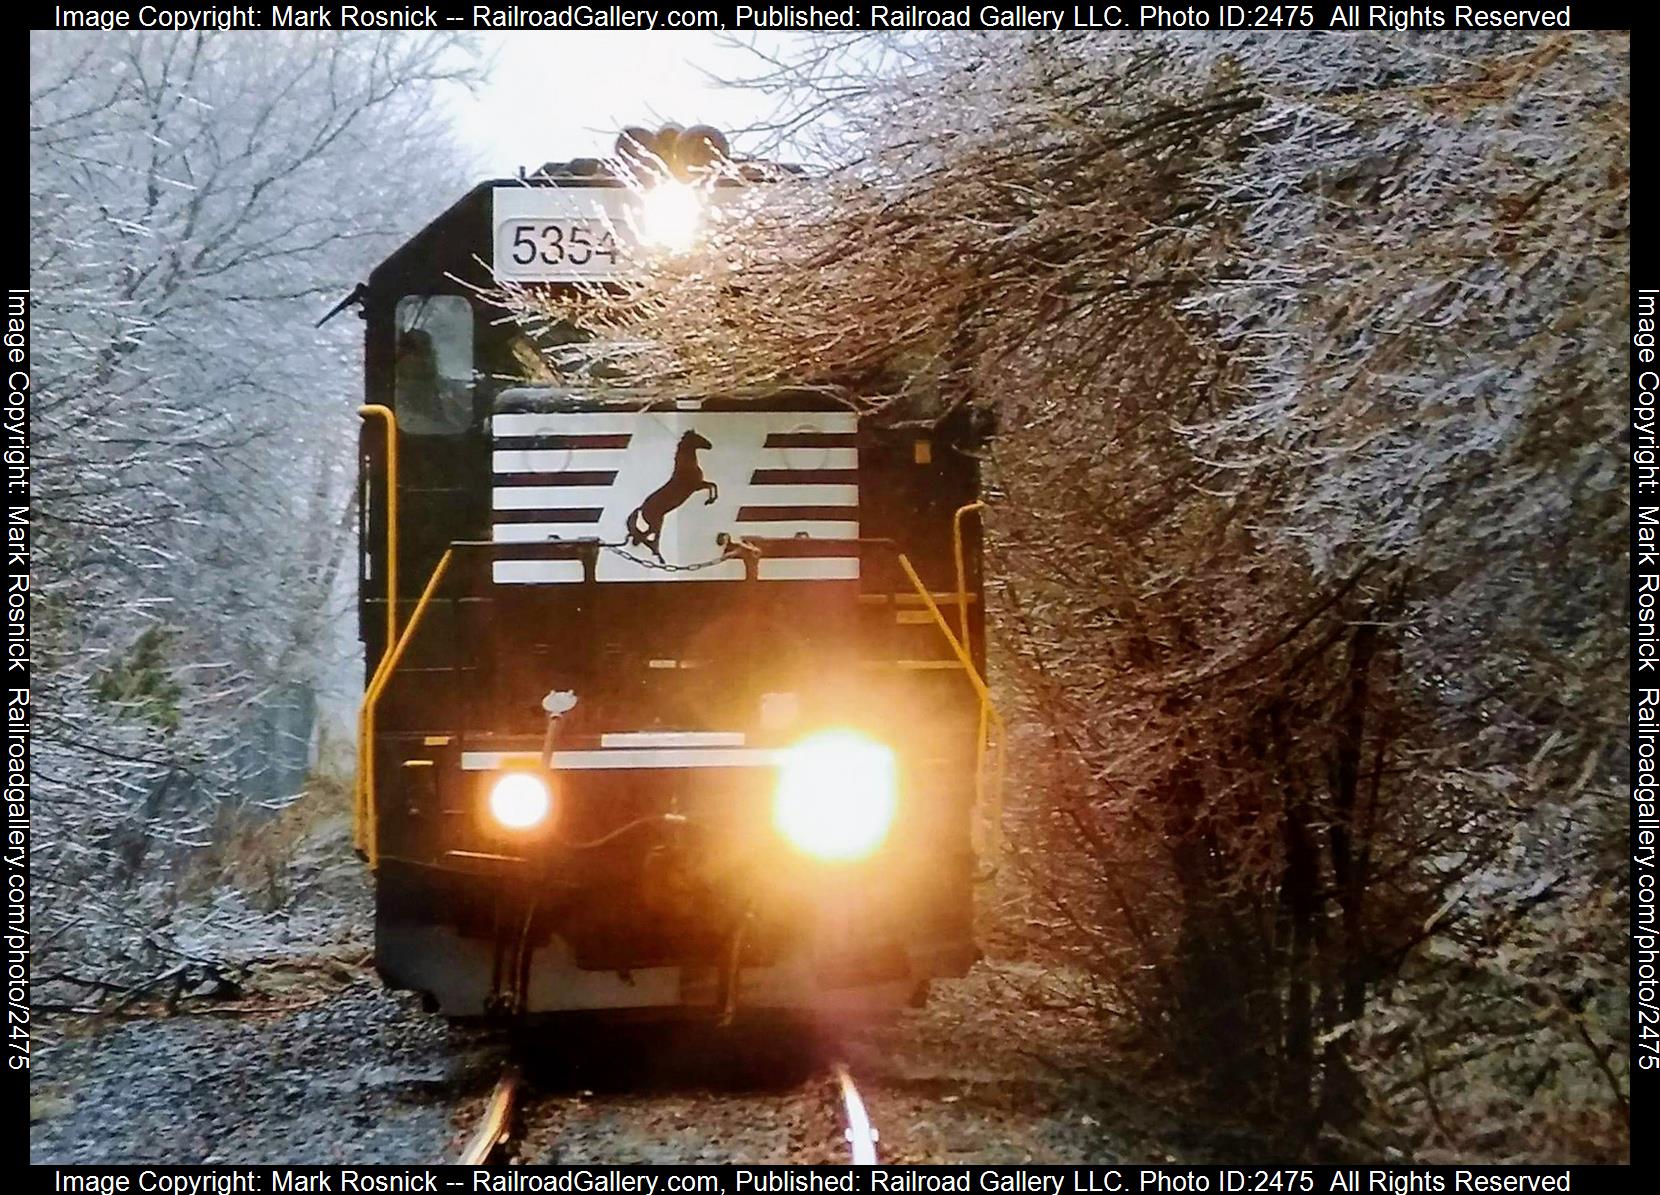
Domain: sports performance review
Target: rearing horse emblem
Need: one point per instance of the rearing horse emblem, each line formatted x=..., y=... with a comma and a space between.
x=645, y=522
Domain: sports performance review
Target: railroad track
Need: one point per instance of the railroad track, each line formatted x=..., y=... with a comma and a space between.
x=492, y=1142
x=860, y=1133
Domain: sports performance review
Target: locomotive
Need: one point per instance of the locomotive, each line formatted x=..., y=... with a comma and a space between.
x=673, y=705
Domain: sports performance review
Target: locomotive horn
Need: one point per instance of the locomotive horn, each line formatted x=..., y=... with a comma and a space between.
x=637, y=147
x=668, y=145
x=701, y=146
x=671, y=149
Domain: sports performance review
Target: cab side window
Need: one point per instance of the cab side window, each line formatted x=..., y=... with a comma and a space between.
x=433, y=370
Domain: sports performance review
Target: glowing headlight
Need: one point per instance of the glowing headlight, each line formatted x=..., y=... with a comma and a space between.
x=519, y=801
x=837, y=793
x=671, y=213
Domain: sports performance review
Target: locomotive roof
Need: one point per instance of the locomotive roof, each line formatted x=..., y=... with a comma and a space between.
x=555, y=399
x=417, y=252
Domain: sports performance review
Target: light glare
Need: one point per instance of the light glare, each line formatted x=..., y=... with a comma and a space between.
x=837, y=795
x=671, y=214
x=519, y=801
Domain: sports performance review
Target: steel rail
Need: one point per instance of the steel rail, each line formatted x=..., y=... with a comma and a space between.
x=495, y=1130
x=860, y=1133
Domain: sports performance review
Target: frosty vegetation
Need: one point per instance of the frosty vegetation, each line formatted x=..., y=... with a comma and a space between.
x=1307, y=536
x=197, y=202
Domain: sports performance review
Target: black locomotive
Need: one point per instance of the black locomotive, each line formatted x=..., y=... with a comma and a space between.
x=670, y=705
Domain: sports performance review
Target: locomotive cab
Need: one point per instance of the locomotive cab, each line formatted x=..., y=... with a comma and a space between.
x=671, y=704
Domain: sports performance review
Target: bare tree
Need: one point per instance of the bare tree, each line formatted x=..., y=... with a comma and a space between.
x=1308, y=522
x=197, y=200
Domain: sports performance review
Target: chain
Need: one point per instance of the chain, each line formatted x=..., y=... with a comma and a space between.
x=733, y=548
x=621, y=549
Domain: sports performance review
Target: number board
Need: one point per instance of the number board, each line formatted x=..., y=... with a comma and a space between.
x=561, y=234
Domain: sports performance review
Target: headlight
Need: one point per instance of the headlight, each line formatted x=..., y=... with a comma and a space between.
x=671, y=213
x=519, y=801
x=837, y=793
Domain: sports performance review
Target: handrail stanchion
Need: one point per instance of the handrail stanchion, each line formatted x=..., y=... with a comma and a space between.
x=962, y=621
x=962, y=572
x=974, y=677
x=366, y=716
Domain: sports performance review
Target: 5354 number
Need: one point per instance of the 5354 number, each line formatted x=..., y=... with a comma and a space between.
x=570, y=244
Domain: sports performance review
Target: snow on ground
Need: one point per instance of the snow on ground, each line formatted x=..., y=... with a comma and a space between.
x=309, y=1059
x=356, y=1074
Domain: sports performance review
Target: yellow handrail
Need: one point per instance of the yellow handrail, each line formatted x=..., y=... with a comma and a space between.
x=987, y=709
x=962, y=574
x=968, y=646
x=368, y=830
x=386, y=416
